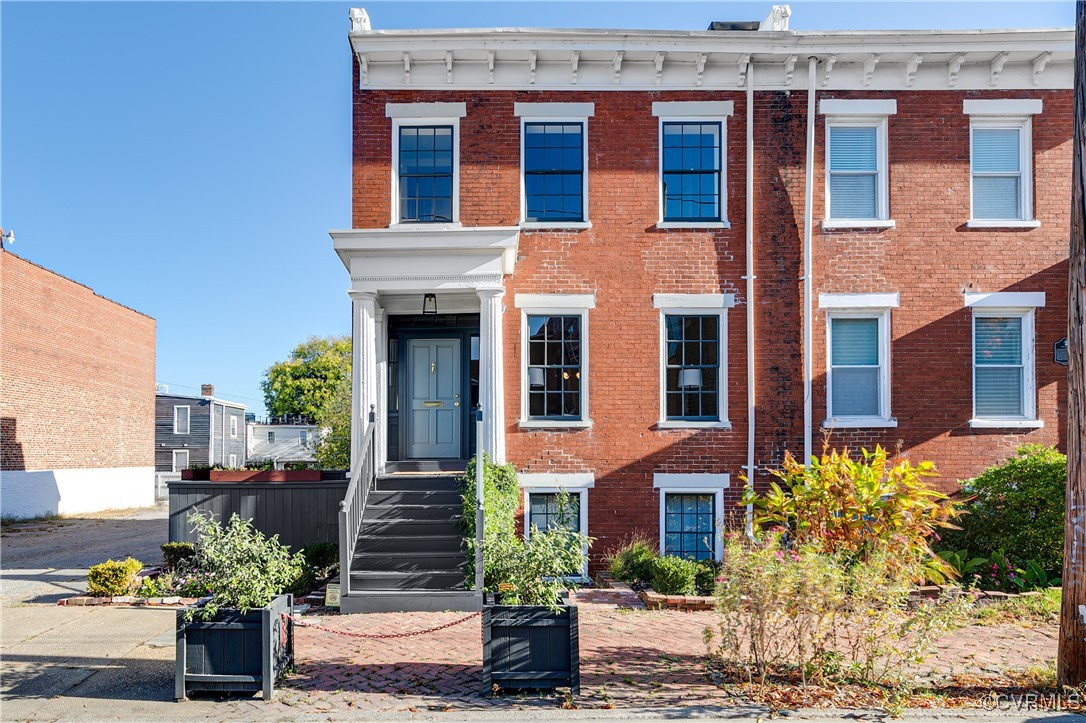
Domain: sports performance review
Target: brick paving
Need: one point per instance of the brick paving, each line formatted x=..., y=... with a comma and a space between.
x=630, y=657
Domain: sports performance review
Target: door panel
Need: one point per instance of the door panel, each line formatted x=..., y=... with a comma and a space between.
x=435, y=414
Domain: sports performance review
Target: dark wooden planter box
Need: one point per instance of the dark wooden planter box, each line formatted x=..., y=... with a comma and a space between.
x=255, y=475
x=235, y=652
x=530, y=646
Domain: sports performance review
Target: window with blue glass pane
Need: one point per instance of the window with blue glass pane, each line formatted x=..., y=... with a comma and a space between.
x=855, y=367
x=854, y=172
x=691, y=172
x=692, y=367
x=689, y=526
x=554, y=367
x=546, y=511
x=554, y=171
x=426, y=174
x=997, y=173
x=999, y=368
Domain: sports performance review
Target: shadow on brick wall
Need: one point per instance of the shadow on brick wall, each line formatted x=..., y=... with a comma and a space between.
x=11, y=452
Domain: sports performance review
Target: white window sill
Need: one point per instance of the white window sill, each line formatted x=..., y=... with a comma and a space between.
x=555, y=225
x=853, y=423
x=554, y=424
x=684, y=424
x=671, y=225
x=1001, y=223
x=436, y=226
x=1006, y=423
x=834, y=224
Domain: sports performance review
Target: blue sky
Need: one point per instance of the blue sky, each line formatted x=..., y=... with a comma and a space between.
x=187, y=159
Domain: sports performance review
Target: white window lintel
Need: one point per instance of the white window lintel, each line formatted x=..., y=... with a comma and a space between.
x=890, y=300
x=1006, y=299
x=1003, y=106
x=554, y=301
x=554, y=110
x=571, y=481
x=693, y=108
x=670, y=482
x=426, y=110
x=693, y=301
x=860, y=107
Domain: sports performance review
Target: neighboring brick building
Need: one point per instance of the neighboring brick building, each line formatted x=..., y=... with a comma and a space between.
x=77, y=396
x=577, y=206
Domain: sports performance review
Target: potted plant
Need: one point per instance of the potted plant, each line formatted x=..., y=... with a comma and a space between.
x=253, y=471
x=239, y=637
x=530, y=634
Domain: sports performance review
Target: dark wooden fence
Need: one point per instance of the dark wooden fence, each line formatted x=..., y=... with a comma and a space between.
x=301, y=513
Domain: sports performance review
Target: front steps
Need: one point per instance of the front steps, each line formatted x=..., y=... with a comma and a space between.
x=410, y=554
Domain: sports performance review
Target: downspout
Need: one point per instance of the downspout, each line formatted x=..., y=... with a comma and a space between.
x=808, y=220
x=751, y=397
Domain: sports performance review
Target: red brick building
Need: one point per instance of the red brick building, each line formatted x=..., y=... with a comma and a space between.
x=77, y=396
x=620, y=243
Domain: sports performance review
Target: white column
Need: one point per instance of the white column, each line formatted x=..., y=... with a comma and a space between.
x=363, y=365
x=491, y=376
x=381, y=395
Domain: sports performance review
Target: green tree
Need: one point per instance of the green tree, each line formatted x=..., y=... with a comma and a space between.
x=334, y=447
x=308, y=381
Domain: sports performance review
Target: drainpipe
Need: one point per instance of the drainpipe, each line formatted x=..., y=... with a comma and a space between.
x=750, y=292
x=808, y=221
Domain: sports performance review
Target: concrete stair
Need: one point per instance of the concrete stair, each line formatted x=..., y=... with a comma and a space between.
x=410, y=554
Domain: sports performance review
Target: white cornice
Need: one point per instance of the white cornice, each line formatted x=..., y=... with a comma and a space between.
x=531, y=59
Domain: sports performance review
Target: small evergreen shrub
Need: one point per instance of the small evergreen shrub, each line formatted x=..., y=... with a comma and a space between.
x=674, y=576
x=705, y=578
x=1017, y=507
x=632, y=562
x=176, y=553
x=113, y=577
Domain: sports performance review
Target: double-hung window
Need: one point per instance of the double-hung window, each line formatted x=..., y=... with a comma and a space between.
x=554, y=163
x=691, y=512
x=180, y=459
x=693, y=143
x=1001, y=161
x=858, y=359
x=557, y=501
x=857, y=165
x=233, y=426
x=1004, y=382
x=555, y=359
x=425, y=161
x=693, y=364
x=181, y=415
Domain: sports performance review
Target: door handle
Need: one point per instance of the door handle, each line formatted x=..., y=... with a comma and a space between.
x=433, y=368
x=456, y=404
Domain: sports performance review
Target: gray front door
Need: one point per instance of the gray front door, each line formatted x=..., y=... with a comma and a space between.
x=433, y=425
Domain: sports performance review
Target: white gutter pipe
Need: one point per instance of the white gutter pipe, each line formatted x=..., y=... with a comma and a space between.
x=808, y=221
x=751, y=397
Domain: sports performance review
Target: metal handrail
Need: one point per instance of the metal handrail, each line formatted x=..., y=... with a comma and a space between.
x=353, y=506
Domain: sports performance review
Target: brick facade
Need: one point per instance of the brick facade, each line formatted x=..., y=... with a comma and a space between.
x=77, y=375
x=930, y=258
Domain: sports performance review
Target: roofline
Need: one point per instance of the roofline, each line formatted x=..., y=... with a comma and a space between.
x=215, y=400
x=707, y=34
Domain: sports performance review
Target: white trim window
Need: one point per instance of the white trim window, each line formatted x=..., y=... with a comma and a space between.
x=692, y=141
x=233, y=426
x=303, y=437
x=1001, y=162
x=180, y=459
x=542, y=494
x=182, y=419
x=233, y=461
x=858, y=359
x=271, y=436
x=693, y=359
x=857, y=163
x=692, y=514
x=554, y=359
x=554, y=164
x=425, y=162
x=1004, y=374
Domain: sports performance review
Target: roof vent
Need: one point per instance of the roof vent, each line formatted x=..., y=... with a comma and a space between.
x=734, y=25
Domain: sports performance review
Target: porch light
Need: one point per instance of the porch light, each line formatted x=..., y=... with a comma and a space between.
x=535, y=377
x=429, y=304
x=690, y=379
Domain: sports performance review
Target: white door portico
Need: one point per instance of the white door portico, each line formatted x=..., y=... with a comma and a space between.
x=391, y=270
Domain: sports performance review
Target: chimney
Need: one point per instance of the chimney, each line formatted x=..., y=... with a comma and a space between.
x=207, y=390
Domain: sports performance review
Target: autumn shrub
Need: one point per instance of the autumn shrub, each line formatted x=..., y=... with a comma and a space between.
x=113, y=577
x=828, y=617
x=859, y=509
x=176, y=554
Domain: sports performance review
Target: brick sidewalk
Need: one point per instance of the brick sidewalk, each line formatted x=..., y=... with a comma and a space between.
x=629, y=658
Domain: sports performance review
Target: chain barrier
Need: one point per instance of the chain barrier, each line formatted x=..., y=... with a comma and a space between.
x=387, y=636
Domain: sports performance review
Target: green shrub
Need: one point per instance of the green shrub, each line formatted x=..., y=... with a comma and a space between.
x=632, y=562
x=1018, y=507
x=705, y=579
x=113, y=577
x=176, y=553
x=860, y=507
x=238, y=566
x=674, y=576
x=534, y=571
x=161, y=586
x=502, y=495
x=321, y=556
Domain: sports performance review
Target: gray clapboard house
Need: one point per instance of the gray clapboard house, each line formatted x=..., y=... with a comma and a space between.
x=191, y=430
x=283, y=441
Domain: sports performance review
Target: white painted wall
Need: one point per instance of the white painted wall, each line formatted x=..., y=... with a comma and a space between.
x=74, y=491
